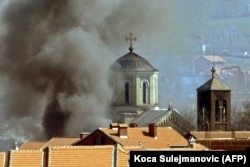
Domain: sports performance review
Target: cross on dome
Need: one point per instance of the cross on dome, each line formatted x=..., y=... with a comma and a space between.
x=131, y=39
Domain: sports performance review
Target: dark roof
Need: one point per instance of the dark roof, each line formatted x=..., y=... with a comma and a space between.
x=213, y=84
x=154, y=116
x=132, y=62
x=150, y=117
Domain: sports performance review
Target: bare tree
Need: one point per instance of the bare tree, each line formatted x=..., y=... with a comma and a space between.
x=241, y=119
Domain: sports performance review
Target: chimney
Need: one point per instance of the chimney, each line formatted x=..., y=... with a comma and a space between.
x=114, y=126
x=132, y=125
x=16, y=146
x=123, y=130
x=84, y=134
x=152, y=130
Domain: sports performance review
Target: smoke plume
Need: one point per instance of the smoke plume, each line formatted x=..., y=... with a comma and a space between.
x=55, y=55
x=54, y=67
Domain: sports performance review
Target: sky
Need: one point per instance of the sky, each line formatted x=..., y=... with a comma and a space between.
x=55, y=55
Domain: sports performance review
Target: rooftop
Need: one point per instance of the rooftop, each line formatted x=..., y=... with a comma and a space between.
x=32, y=145
x=213, y=84
x=221, y=134
x=214, y=58
x=136, y=136
x=25, y=158
x=81, y=156
x=60, y=141
x=132, y=62
x=55, y=141
x=2, y=158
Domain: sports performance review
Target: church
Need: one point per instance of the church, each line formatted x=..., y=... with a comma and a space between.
x=135, y=84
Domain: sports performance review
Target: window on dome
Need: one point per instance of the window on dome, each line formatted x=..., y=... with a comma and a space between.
x=145, y=87
x=127, y=93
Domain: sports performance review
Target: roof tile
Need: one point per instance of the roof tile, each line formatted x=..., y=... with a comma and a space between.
x=32, y=146
x=61, y=141
x=23, y=158
x=166, y=136
x=2, y=158
x=221, y=134
x=85, y=156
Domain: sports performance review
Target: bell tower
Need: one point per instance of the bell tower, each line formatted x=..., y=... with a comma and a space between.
x=213, y=105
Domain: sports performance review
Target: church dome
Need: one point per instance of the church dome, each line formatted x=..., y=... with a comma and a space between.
x=132, y=62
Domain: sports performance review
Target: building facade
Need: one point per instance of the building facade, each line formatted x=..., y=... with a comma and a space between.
x=213, y=106
x=135, y=84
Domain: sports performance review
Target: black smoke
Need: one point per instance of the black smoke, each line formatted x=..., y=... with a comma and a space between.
x=53, y=68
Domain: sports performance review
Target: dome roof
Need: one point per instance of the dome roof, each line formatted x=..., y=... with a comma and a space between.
x=132, y=62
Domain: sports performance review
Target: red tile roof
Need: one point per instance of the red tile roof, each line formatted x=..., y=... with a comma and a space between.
x=61, y=141
x=225, y=144
x=56, y=141
x=166, y=137
x=84, y=156
x=122, y=157
x=223, y=140
x=32, y=146
x=26, y=158
x=2, y=158
x=220, y=134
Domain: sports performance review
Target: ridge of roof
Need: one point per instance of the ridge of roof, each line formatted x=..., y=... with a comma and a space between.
x=32, y=145
x=28, y=150
x=220, y=134
x=60, y=141
x=137, y=135
x=81, y=146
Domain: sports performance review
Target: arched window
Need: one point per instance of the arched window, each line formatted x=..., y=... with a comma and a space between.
x=217, y=111
x=145, y=94
x=221, y=111
x=127, y=93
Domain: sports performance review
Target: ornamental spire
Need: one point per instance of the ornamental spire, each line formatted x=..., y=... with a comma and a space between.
x=213, y=69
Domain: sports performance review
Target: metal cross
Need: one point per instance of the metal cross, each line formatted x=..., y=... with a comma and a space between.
x=131, y=39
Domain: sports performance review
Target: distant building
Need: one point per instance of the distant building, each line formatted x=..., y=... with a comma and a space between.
x=204, y=63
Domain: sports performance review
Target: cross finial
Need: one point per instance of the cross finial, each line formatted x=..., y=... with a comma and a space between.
x=131, y=39
x=213, y=69
x=170, y=106
x=213, y=72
